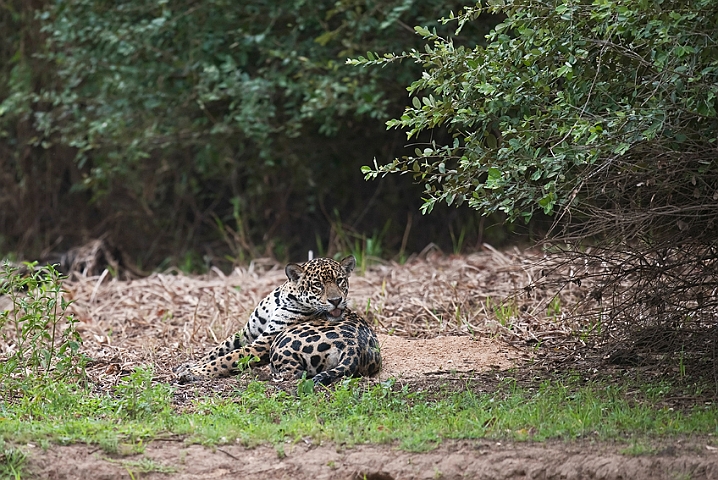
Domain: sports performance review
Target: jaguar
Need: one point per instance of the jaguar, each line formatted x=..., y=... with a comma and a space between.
x=309, y=318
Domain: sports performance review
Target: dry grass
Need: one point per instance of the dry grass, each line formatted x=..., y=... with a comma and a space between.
x=165, y=319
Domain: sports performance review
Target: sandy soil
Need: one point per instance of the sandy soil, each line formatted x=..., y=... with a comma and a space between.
x=435, y=322
x=417, y=358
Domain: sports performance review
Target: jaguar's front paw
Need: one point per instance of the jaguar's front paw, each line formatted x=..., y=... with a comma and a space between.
x=180, y=369
x=185, y=374
x=189, y=377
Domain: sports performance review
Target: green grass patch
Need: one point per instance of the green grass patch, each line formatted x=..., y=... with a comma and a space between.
x=11, y=461
x=138, y=411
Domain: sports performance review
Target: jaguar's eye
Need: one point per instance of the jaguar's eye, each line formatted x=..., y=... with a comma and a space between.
x=317, y=286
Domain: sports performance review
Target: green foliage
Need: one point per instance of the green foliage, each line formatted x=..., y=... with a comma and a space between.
x=138, y=398
x=11, y=461
x=41, y=339
x=562, y=96
x=171, y=117
x=305, y=386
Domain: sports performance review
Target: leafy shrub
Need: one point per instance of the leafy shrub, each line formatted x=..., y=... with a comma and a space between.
x=40, y=341
x=602, y=114
x=565, y=95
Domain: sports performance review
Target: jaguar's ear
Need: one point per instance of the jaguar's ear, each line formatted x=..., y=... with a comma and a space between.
x=293, y=271
x=348, y=264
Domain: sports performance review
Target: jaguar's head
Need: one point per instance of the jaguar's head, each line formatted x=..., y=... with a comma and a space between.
x=323, y=284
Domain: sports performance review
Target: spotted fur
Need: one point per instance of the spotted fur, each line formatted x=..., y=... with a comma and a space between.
x=327, y=350
x=316, y=289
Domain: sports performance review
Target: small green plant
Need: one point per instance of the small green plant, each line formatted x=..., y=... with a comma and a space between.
x=595, y=327
x=192, y=263
x=244, y=363
x=457, y=244
x=11, y=461
x=41, y=337
x=305, y=386
x=138, y=397
x=554, y=308
x=682, y=363
x=462, y=320
x=505, y=312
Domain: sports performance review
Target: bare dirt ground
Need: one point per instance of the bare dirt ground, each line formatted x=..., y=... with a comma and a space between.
x=453, y=460
x=437, y=322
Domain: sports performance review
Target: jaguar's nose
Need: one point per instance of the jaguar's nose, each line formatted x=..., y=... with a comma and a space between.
x=335, y=301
